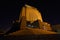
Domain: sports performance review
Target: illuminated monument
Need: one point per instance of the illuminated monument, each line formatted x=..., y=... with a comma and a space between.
x=32, y=23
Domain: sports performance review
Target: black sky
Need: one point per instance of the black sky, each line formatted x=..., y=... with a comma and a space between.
x=9, y=10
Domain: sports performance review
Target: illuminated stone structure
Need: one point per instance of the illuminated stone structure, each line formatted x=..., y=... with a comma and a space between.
x=32, y=15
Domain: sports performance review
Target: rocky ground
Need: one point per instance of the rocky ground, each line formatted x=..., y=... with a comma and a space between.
x=32, y=37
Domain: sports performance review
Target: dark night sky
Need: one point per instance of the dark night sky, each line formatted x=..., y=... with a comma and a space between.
x=9, y=10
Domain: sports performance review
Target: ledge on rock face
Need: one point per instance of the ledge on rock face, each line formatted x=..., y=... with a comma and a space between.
x=32, y=31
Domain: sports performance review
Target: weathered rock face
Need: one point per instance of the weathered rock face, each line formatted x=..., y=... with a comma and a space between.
x=34, y=17
x=31, y=14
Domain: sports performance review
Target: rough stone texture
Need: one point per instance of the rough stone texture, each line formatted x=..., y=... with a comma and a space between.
x=31, y=31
